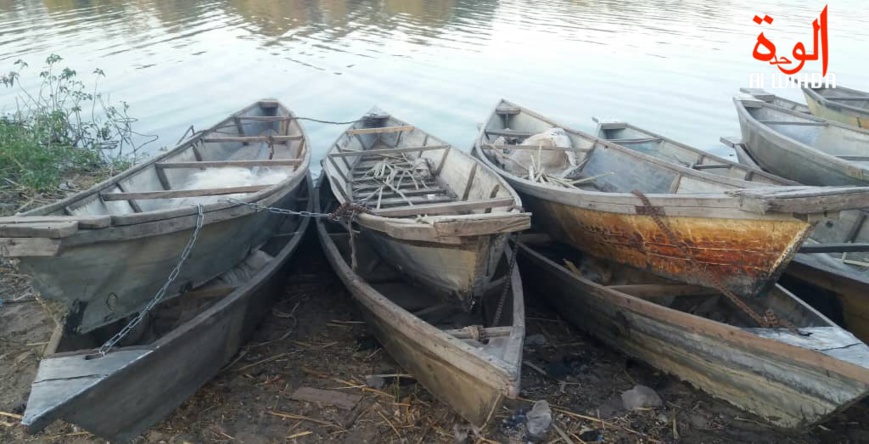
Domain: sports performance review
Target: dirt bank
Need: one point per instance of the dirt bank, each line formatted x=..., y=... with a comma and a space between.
x=315, y=338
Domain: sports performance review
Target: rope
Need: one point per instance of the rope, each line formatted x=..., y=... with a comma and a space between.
x=767, y=321
x=161, y=293
x=503, y=299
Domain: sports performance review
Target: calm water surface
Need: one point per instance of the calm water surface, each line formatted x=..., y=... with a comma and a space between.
x=670, y=66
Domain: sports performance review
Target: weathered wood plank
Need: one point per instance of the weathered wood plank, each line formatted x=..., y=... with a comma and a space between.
x=222, y=139
x=446, y=208
x=84, y=222
x=29, y=247
x=410, y=200
x=659, y=290
x=52, y=230
x=383, y=129
x=229, y=163
x=536, y=147
x=388, y=151
x=172, y=194
x=267, y=118
x=794, y=123
x=509, y=133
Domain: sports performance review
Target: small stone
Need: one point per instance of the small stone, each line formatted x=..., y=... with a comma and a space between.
x=641, y=397
x=375, y=382
x=538, y=420
x=698, y=421
x=535, y=340
x=662, y=418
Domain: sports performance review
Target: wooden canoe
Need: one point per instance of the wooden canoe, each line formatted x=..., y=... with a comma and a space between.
x=844, y=105
x=180, y=346
x=106, y=251
x=738, y=237
x=434, y=212
x=842, y=275
x=471, y=361
x=819, y=263
x=793, y=379
x=804, y=148
x=772, y=99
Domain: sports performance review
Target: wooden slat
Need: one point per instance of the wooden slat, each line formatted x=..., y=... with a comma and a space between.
x=535, y=147
x=133, y=204
x=788, y=122
x=382, y=129
x=507, y=110
x=855, y=229
x=52, y=230
x=221, y=139
x=710, y=166
x=410, y=200
x=172, y=194
x=835, y=248
x=229, y=163
x=509, y=133
x=850, y=157
x=470, y=183
x=266, y=118
x=84, y=222
x=636, y=140
x=446, y=208
x=846, y=99
x=389, y=192
x=381, y=152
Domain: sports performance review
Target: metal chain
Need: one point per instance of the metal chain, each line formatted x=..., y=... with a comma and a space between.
x=345, y=211
x=769, y=320
x=506, y=288
x=107, y=346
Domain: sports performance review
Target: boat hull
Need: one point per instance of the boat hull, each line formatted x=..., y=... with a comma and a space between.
x=789, y=386
x=744, y=255
x=135, y=260
x=452, y=270
x=137, y=387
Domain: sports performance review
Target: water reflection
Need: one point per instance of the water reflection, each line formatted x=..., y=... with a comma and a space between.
x=670, y=65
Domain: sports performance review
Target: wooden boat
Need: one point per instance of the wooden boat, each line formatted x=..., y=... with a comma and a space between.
x=106, y=251
x=772, y=99
x=433, y=212
x=793, y=378
x=829, y=259
x=180, y=346
x=834, y=262
x=844, y=105
x=674, y=221
x=804, y=148
x=469, y=360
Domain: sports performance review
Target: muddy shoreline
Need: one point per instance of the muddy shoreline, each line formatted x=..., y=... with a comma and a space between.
x=314, y=337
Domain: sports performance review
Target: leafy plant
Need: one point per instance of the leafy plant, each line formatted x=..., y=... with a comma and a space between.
x=63, y=128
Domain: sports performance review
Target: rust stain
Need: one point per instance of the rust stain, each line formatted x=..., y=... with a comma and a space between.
x=745, y=255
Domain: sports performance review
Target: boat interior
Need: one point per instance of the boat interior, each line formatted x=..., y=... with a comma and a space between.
x=477, y=327
x=594, y=166
x=406, y=172
x=248, y=152
x=845, y=96
x=171, y=314
x=827, y=137
x=659, y=147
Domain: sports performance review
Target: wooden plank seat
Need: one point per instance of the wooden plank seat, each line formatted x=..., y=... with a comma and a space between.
x=379, y=130
x=537, y=147
x=788, y=122
x=407, y=201
x=509, y=133
x=229, y=163
x=370, y=182
x=635, y=140
x=388, y=151
x=243, y=139
x=507, y=110
x=173, y=194
x=389, y=192
x=445, y=208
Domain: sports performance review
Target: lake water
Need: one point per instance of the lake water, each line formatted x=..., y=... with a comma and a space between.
x=670, y=66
